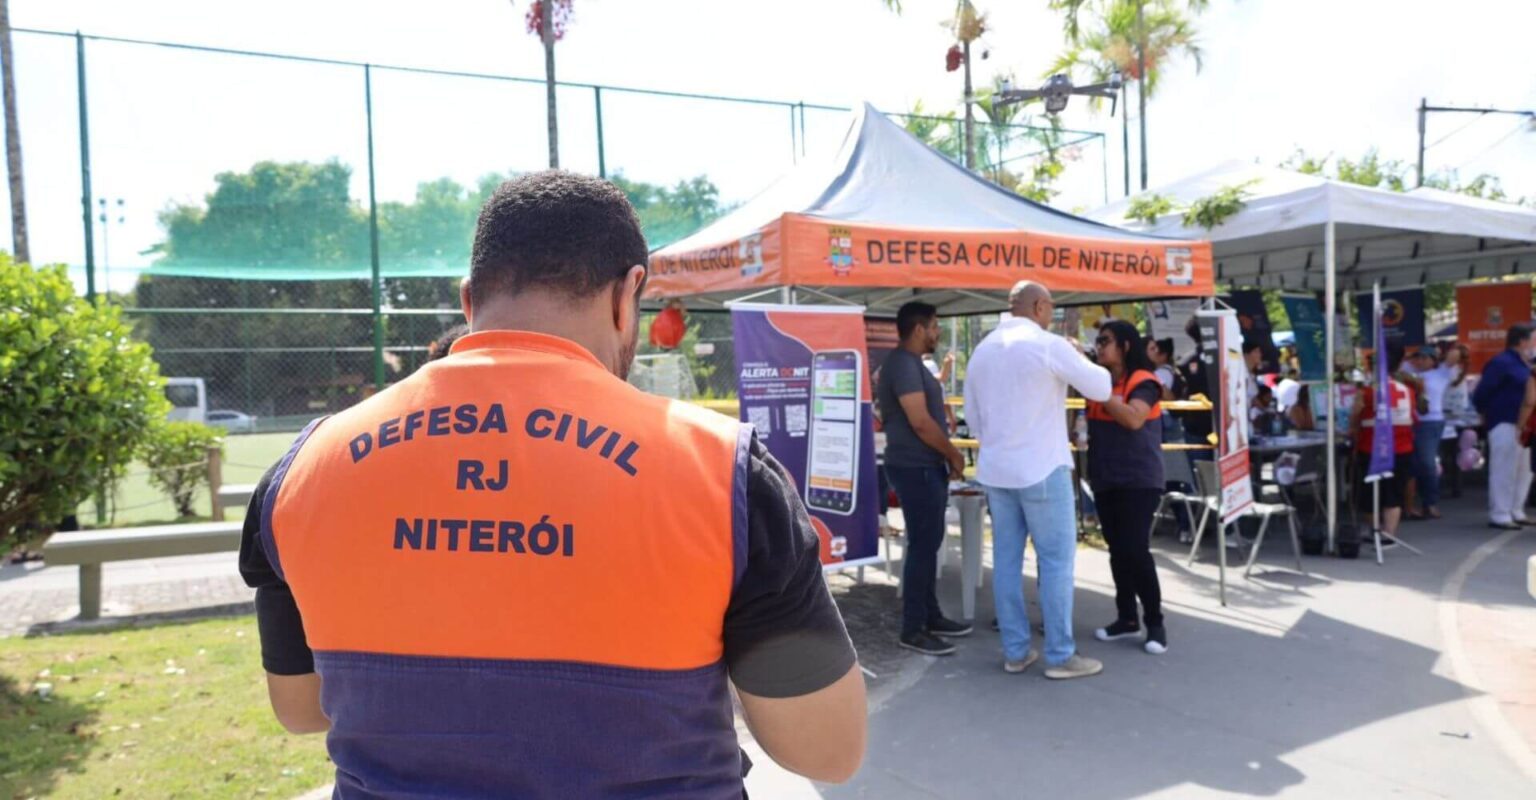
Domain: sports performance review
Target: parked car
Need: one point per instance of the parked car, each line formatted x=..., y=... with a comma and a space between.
x=233, y=421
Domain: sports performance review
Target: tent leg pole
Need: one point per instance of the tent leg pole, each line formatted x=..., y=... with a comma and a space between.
x=787, y=295
x=1330, y=314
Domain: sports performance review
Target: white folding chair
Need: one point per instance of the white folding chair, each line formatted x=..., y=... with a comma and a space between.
x=1209, y=479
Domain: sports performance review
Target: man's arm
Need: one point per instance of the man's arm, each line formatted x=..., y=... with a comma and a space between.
x=1493, y=375
x=907, y=385
x=1526, y=406
x=1089, y=379
x=973, y=416
x=1132, y=412
x=788, y=653
x=915, y=406
x=292, y=685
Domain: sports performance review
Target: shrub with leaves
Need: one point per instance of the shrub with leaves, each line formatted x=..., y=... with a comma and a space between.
x=177, y=456
x=1208, y=212
x=77, y=397
x=1148, y=207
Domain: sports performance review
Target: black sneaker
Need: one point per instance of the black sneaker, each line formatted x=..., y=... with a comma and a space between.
x=949, y=627
x=1157, y=640
x=1120, y=630
x=995, y=626
x=927, y=644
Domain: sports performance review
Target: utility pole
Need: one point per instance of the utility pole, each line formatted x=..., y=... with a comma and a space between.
x=1425, y=109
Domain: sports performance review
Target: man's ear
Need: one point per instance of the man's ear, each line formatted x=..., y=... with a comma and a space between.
x=626, y=298
x=465, y=302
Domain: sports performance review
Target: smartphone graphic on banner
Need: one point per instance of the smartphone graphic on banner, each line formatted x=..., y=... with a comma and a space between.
x=831, y=474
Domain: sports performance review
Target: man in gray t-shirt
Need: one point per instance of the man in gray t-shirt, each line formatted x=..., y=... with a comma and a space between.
x=904, y=373
x=919, y=461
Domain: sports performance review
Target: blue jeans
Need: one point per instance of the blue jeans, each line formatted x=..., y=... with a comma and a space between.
x=1042, y=511
x=924, y=495
x=1426, y=447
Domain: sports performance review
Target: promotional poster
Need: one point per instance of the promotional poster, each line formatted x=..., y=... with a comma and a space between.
x=1402, y=316
x=1484, y=312
x=803, y=378
x=1311, y=336
x=1221, y=355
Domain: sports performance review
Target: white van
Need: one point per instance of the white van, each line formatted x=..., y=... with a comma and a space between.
x=189, y=399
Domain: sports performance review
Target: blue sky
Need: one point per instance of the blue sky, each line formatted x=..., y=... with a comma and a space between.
x=1333, y=77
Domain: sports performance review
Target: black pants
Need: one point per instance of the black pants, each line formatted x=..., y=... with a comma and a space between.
x=924, y=495
x=1126, y=518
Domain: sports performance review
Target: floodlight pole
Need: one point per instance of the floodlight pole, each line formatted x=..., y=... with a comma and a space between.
x=376, y=287
x=85, y=171
x=1425, y=109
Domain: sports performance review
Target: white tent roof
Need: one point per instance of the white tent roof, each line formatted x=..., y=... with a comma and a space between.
x=883, y=175
x=1402, y=239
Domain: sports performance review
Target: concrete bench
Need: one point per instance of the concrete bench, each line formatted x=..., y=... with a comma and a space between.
x=236, y=496
x=91, y=549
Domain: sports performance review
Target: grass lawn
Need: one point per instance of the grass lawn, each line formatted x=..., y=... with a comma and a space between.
x=177, y=710
x=246, y=457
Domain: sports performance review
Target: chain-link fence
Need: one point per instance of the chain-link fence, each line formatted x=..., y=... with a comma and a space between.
x=292, y=230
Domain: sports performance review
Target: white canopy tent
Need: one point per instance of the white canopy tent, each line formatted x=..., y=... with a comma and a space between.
x=1305, y=232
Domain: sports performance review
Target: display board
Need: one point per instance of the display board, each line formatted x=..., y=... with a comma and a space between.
x=803, y=380
x=1221, y=354
x=1484, y=312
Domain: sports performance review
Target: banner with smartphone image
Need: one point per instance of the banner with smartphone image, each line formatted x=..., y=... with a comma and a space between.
x=1221, y=357
x=803, y=380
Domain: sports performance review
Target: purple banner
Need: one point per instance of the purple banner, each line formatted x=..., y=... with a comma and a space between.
x=1382, y=449
x=803, y=380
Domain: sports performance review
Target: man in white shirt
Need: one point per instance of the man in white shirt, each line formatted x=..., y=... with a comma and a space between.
x=1015, y=403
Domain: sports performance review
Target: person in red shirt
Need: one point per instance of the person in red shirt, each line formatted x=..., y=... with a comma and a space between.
x=1362, y=425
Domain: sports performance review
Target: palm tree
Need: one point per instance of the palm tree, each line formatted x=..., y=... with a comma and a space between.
x=13, y=140
x=1135, y=38
x=550, y=28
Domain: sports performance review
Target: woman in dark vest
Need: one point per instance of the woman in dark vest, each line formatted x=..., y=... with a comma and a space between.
x=1125, y=470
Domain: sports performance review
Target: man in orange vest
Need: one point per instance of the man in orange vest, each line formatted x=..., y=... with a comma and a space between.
x=512, y=574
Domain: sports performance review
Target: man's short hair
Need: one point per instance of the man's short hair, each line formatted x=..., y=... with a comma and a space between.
x=557, y=231
x=913, y=314
x=1250, y=345
x=1395, y=353
x=1518, y=333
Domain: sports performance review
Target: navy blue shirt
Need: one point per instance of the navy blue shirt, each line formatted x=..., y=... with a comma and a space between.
x=1501, y=390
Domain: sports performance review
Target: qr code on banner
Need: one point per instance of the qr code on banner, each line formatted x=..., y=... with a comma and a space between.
x=794, y=420
x=761, y=418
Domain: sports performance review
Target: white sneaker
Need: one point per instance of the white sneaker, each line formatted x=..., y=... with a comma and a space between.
x=1077, y=666
x=1015, y=667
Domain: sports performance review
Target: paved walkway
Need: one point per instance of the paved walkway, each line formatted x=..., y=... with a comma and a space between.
x=1413, y=679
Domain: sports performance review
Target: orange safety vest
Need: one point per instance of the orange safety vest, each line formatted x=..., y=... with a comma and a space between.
x=514, y=568
x=1120, y=458
x=1096, y=411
